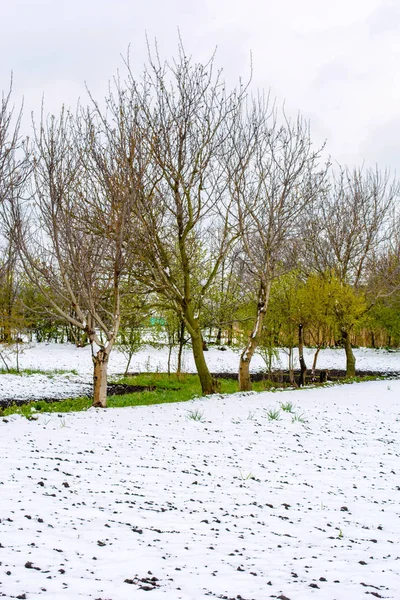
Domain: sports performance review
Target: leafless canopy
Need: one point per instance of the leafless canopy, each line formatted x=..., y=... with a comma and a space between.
x=350, y=222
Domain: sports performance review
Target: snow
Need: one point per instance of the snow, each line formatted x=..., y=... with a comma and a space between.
x=68, y=357
x=37, y=386
x=235, y=505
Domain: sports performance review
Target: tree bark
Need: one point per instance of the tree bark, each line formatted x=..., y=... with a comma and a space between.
x=181, y=342
x=100, y=364
x=169, y=359
x=248, y=352
x=209, y=385
x=314, y=365
x=303, y=366
x=128, y=364
x=350, y=358
x=373, y=342
x=292, y=379
x=230, y=335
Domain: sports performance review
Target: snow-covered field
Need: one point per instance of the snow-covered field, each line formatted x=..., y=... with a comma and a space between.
x=132, y=503
x=68, y=357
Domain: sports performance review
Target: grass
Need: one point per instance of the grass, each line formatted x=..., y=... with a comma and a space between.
x=246, y=477
x=361, y=379
x=195, y=415
x=61, y=406
x=299, y=418
x=273, y=414
x=272, y=386
x=287, y=406
x=50, y=373
x=168, y=389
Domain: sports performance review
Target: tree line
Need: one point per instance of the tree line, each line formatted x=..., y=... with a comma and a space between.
x=201, y=206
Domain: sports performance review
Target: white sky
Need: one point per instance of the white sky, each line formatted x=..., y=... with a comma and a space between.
x=335, y=61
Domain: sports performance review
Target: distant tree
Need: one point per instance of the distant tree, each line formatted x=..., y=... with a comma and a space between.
x=134, y=316
x=274, y=179
x=226, y=297
x=72, y=232
x=14, y=171
x=185, y=212
x=383, y=286
x=345, y=230
x=282, y=317
x=317, y=302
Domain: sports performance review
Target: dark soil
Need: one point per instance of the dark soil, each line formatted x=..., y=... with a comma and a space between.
x=331, y=375
x=117, y=389
x=278, y=377
x=113, y=389
x=282, y=376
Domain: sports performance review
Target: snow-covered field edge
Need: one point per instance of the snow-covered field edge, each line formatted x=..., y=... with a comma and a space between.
x=67, y=357
x=113, y=504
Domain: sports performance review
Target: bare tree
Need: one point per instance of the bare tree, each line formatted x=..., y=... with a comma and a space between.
x=226, y=297
x=184, y=212
x=72, y=232
x=349, y=224
x=13, y=165
x=14, y=170
x=274, y=179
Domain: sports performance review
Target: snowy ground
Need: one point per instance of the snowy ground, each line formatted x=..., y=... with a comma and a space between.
x=117, y=503
x=68, y=357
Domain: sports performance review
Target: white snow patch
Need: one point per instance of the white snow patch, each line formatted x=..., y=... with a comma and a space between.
x=97, y=504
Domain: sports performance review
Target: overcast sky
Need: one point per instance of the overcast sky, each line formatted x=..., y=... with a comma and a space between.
x=335, y=61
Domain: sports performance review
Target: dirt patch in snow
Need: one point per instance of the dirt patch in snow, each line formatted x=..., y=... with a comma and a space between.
x=282, y=376
x=278, y=377
x=117, y=389
x=113, y=389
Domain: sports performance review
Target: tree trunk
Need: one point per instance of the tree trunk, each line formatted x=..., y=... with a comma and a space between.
x=303, y=366
x=373, y=342
x=248, y=352
x=209, y=385
x=128, y=364
x=230, y=334
x=291, y=368
x=100, y=364
x=350, y=358
x=180, y=348
x=314, y=365
x=170, y=346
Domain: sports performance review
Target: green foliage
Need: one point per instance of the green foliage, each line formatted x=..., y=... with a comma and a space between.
x=169, y=389
x=384, y=316
x=282, y=318
x=287, y=406
x=226, y=302
x=349, y=307
x=271, y=386
x=50, y=373
x=317, y=298
x=324, y=306
x=195, y=415
x=134, y=314
x=60, y=406
x=360, y=379
x=299, y=418
x=273, y=414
